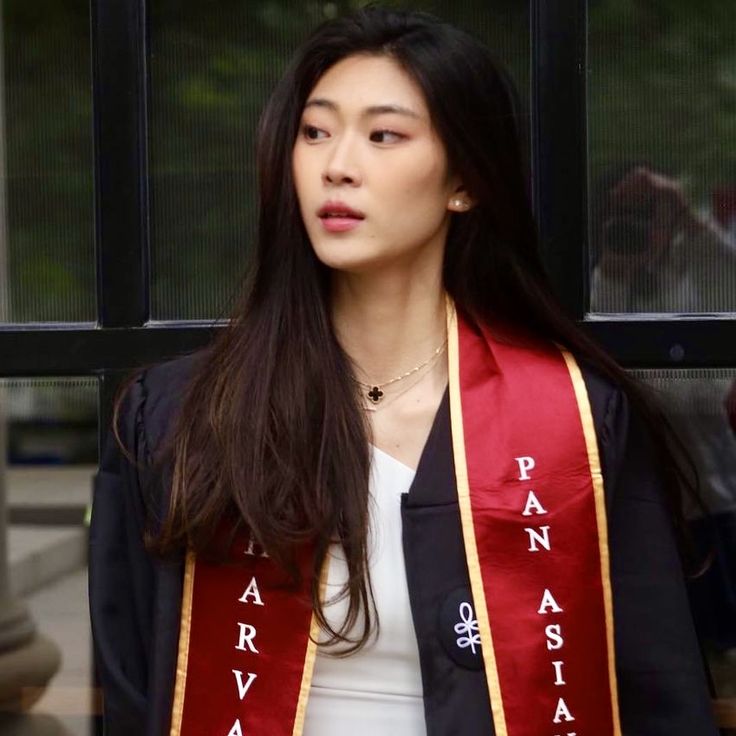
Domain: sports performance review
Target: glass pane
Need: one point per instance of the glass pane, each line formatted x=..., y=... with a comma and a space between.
x=46, y=169
x=213, y=66
x=48, y=433
x=701, y=405
x=661, y=91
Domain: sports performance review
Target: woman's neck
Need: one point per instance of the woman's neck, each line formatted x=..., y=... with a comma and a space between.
x=388, y=324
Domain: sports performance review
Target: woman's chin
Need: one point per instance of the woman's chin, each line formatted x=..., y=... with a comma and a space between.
x=347, y=260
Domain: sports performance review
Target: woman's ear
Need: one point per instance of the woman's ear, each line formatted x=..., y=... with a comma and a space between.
x=460, y=201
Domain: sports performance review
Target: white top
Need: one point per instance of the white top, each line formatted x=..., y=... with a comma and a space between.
x=378, y=690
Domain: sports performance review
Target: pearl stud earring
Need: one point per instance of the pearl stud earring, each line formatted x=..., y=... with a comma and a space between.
x=459, y=203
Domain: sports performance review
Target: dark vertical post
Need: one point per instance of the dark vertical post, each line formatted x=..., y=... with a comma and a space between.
x=120, y=94
x=120, y=87
x=559, y=148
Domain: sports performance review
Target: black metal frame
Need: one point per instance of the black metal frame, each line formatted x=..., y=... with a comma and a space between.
x=120, y=97
x=125, y=336
x=82, y=349
x=559, y=150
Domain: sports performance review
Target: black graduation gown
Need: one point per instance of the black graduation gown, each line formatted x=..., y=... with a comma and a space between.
x=135, y=599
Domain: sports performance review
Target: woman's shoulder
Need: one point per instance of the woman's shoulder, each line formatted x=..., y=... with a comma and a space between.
x=626, y=435
x=611, y=416
x=166, y=382
x=607, y=397
x=154, y=397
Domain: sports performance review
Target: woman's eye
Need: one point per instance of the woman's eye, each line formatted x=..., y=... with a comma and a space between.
x=311, y=133
x=385, y=136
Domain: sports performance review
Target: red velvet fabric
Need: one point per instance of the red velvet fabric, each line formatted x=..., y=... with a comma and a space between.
x=212, y=703
x=518, y=402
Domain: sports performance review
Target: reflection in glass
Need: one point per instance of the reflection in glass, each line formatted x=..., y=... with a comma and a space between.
x=213, y=66
x=662, y=161
x=46, y=167
x=46, y=471
x=701, y=405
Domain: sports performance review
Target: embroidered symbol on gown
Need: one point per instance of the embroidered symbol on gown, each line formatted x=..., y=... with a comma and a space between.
x=467, y=628
x=458, y=629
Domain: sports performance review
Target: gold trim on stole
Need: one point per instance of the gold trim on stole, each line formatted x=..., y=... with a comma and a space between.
x=177, y=710
x=309, y=658
x=466, y=516
x=591, y=442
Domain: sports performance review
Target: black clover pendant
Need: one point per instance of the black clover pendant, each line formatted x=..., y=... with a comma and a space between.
x=375, y=394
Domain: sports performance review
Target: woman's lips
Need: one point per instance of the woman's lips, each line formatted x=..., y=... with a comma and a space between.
x=338, y=217
x=339, y=224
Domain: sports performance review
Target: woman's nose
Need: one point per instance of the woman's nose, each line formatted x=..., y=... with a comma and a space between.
x=341, y=168
x=337, y=176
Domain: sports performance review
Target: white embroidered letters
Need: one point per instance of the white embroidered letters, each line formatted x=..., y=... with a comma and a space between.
x=245, y=638
x=536, y=538
x=252, y=591
x=525, y=465
x=533, y=506
x=539, y=538
x=554, y=636
x=254, y=549
x=562, y=712
x=247, y=633
x=243, y=687
x=236, y=730
x=558, y=672
x=548, y=602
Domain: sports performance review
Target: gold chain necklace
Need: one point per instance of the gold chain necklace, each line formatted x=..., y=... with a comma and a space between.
x=374, y=392
x=391, y=398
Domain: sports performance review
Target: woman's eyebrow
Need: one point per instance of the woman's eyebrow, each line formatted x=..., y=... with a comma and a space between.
x=367, y=112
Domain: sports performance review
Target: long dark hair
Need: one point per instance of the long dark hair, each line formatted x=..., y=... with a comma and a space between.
x=270, y=434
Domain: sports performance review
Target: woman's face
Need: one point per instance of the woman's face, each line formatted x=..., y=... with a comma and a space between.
x=371, y=173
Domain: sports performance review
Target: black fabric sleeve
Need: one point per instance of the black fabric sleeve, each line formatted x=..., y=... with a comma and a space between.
x=661, y=678
x=121, y=575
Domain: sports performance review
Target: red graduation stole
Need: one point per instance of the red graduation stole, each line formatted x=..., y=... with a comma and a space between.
x=531, y=501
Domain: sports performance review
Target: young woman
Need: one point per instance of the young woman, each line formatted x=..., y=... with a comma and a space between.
x=387, y=499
